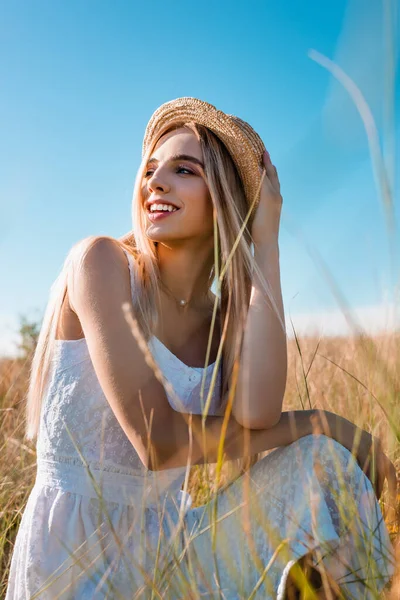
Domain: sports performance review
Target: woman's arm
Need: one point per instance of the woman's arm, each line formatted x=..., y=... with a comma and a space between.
x=263, y=364
x=239, y=442
x=162, y=437
x=98, y=290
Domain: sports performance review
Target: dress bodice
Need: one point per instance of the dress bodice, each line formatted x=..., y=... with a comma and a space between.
x=78, y=425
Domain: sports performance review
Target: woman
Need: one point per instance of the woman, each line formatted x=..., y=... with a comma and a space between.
x=140, y=372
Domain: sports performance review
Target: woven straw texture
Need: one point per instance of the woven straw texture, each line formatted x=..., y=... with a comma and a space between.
x=242, y=142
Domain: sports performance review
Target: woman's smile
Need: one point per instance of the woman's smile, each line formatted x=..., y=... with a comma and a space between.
x=157, y=209
x=157, y=215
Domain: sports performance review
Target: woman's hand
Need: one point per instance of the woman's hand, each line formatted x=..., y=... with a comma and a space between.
x=265, y=226
x=377, y=466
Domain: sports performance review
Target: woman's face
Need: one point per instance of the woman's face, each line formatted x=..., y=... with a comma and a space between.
x=174, y=175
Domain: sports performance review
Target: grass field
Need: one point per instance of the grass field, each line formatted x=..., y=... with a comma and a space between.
x=358, y=378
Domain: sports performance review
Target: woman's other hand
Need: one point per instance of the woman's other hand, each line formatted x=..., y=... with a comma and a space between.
x=377, y=466
x=265, y=226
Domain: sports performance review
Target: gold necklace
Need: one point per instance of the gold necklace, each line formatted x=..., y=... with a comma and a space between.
x=181, y=303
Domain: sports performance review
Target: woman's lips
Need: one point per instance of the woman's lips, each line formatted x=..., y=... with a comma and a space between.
x=162, y=214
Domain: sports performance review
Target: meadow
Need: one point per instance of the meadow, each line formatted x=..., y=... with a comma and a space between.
x=357, y=377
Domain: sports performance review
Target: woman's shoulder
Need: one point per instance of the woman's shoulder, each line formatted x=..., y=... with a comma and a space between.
x=100, y=250
x=96, y=261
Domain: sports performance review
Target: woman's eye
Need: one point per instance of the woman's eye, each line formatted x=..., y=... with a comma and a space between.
x=188, y=171
x=185, y=169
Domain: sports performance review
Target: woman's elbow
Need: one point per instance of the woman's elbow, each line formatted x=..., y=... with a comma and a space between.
x=151, y=461
x=259, y=421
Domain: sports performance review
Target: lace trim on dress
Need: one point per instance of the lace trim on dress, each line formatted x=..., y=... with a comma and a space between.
x=93, y=465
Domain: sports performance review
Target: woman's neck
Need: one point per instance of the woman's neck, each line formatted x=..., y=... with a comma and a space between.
x=186, y=272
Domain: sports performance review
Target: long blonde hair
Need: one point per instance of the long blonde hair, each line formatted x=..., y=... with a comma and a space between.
x=230, y=207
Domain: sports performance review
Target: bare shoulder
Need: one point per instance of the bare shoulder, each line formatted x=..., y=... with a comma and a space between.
x=96, y=251
x=98, y=265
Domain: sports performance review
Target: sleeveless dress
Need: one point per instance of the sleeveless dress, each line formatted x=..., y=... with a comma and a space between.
x=99, y=525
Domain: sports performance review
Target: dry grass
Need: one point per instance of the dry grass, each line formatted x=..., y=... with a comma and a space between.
x=354, y=377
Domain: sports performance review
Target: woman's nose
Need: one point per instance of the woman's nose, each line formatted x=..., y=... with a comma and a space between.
x=157, y=182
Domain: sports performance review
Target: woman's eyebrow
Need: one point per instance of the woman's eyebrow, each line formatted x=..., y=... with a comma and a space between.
x=192, y=159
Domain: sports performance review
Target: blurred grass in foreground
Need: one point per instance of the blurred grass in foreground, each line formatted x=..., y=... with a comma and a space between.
x=331, y=373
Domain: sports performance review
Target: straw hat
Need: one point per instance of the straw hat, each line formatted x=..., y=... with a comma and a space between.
x=243, y=143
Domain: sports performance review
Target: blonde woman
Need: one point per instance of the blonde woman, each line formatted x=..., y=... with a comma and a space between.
x=141, y=371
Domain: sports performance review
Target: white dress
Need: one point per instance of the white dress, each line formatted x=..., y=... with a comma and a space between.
x=99, y=525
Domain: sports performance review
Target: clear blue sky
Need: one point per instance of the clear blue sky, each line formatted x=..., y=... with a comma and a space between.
x=80, y=79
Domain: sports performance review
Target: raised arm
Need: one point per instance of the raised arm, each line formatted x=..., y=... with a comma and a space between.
x=263, y=365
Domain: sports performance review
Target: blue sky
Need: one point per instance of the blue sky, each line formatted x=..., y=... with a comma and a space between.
x=80, y=79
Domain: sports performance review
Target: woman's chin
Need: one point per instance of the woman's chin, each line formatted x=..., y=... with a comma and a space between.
x=159, y=233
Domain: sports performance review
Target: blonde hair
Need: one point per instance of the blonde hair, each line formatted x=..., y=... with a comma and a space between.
x=231, y=208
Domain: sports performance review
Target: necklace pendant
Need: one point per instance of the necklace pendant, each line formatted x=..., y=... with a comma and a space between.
x=182, y=302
